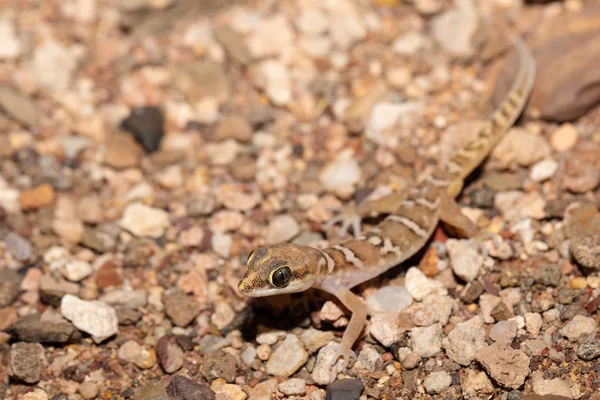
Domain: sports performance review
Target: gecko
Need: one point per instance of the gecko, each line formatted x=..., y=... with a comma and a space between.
x=408, y=220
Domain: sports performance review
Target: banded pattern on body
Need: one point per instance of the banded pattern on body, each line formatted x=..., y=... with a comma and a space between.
x=404, y=232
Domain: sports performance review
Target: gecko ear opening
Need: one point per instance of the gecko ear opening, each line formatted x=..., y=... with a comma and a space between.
x=280, y=277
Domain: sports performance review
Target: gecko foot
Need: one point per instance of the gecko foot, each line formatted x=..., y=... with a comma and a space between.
x=344, y=352
x=348, y=217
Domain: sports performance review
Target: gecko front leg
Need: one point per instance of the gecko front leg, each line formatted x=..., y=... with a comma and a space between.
x=354, y=328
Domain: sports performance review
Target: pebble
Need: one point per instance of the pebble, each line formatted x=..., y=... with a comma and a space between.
x=314, y=339
x=38, y=197
x=521, y=147
x=15, y=104
x=564, y=137
x=52, y=290
x=144, y=221
x=504, y=331
x=548, y=275
x=8, y=292
x=443, y=306
x=507, y=366
x=276, y=80
x=248, y=355
x=419, y=286
x=76, y=270
x=463, y=342
x=270, y=337
x=273, y=36
x=221, y=243
x=89, y=390
x=533, y=324
x=455, y=29
x=389, y=299
x=153, y=390
x=427, y=341
x=122, y=297
x=313, y=21
x=234, y=44
x=37, y=394
x=437, y=381
x=534, y=347
x=182, y=388
x=53, y=66
x=367, y=360
x=293, y=387
x=465, y=260
x=146, y=124
x=180, y=308
x=410, y=361
x=93, y=317
x=132, y=352
x=263, y=391
x=552, y=387
x=578, y=328
x=122, y=151
x=389, y=328
x=543, y=170
x=586, y=251
x=589, y=348
x=282, y=228
x=32, y=328
x=476, y=385
x=344, y=389
x=10, y=45
x=324, y=372
x=341, y=175
x=288, y=357
x=219, y=364
x=516, y=205
x=408, y=43
x=26, y=361
x=385, y=118
x=169, y=354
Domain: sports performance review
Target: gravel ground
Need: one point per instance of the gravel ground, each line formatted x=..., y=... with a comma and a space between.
x=147, y=146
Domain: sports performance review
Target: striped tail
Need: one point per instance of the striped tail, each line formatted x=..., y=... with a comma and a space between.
x=505, y=115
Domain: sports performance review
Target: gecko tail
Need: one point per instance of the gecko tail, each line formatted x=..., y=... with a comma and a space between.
x=504, y=116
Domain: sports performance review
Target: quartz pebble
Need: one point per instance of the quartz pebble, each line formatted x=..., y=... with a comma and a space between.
x=144, y=221
x=288, y=357
x=392, y=299
x=93, y=317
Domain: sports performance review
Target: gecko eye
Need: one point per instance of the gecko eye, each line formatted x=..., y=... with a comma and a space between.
x=281, y=277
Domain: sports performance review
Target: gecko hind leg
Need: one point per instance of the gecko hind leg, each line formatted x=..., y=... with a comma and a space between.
x=452, y=215
x=348, y=217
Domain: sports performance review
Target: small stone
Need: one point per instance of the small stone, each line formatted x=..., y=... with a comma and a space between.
x=17, y=105
x=93, y=317
x=132, y=352
x=98, y=240
x=182, y=388
x=386, y=118
x=180, y=308
x=234, y=44
x=234, y=127
x=533, y=324
x=89, y=390
x=507, y=366
x=144, y=221
x=534, y=347
x=487, y=302
x=293, y=387
x=589, y=348
x=408, y=43
x=341, y=175
x=263, y=391
x=313, y=21
x=455, y=29
x=548, y=275
x=389, y=328
x=221, y=244
x=146, y=126
x=52, y=290
x=521, y=147
x=36, y=198
x=314, y=339
x=219, y=364
x=248, y=355
x=437, y=381
x=463, y=342
x=427, y=341
x=543, y=170
x=273, y=36
x=223, y=315
x=565, y=137
x=32, y=328
x=76, y=270
x=410, y=361
x=8, y=292
x=465, y=259
x=472, y=292
x=169, y=354
x=367, y=360
x=276, y=81
x=52, y=66
x=345, y=389
x=10, y=45
x=476, y=385
x=504, y=331
x=389, y=299
x=26, y=361
x=130, y=298
x=282, y=229
x=287, y=358
x=578, y=328
x=501, y=312
x=19, y=247
x=586, y=251
x=151, y=391
x=210, y=343
x=127, y=315
x=554, y=388
x=419, y=286
x=108, y=275
x=122, y=151
x=270, y=337
x=38, y=394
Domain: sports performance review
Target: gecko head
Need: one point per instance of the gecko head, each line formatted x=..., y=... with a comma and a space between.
x=283, y=268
